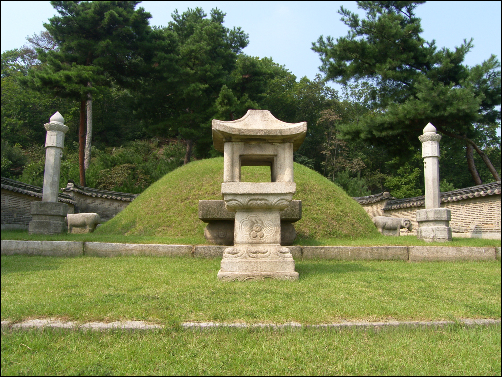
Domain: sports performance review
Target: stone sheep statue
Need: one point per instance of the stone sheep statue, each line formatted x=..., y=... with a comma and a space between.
x=84, y=222
x=390, y=226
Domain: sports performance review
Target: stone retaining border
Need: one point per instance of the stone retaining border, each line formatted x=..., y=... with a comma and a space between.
x=141, y=325
x=104, y=249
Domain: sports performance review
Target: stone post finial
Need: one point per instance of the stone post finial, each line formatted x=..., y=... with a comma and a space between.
x=57, y=117
x=429, y=128
x=54, y=143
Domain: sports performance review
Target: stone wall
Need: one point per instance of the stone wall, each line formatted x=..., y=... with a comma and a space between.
x=103, y=202
x=475, y=211
x=17, y=198
x=374, y=204
x=16, y=209
x=16, y=203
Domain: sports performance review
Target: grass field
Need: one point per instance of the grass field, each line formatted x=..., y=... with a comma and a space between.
x=170, y=291
x=454, y=350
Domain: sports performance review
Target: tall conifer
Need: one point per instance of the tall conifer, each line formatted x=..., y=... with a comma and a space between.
x=412, y=82
x=100, y=43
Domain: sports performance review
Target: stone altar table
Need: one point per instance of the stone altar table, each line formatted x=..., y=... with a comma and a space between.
x=220, y=222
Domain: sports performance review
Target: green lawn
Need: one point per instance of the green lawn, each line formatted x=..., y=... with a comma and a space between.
x=453, y=350
x=169, y=291
x=177, y=289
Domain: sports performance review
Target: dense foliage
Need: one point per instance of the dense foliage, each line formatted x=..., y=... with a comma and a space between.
x=158, y=93
x=410, y=82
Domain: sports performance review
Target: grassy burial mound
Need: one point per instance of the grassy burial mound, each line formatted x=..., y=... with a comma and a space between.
x=169, y=207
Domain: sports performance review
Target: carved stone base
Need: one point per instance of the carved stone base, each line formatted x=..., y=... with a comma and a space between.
x=220, y=232
x=48, y=218
x=246, y=262
x=434, y=225
x=434, y=233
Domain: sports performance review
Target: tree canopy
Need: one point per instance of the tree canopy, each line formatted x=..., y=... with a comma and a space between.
x=194, y=58
x=99, y=43
x=168, y=83
x=411, y=82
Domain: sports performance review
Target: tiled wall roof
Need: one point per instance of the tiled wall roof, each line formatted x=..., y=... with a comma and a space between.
x=36, y=191
x=95, y=193
x=487, y=189
x=370, y=199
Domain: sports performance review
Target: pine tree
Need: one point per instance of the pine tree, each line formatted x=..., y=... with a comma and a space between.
x=412, y=82
x=195, y=56
x=100, y=43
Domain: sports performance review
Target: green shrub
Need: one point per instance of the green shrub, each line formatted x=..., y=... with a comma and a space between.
x=129, y=168
x=353, y=186
x=124, y=178
x=13, y=160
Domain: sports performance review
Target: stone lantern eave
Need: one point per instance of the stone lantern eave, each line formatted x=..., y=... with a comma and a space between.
x=245, y=129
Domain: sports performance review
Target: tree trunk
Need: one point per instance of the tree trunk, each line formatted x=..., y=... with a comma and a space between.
x=81, y=143
x=471, y=165
x=88, y=136
x=470, y=159
x=487, y=162
x=188, y=154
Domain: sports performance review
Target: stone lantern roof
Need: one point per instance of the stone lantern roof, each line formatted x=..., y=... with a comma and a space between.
x=258, y=126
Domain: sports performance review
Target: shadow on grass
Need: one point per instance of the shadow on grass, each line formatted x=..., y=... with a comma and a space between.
x=321, y=268
x=28, y=263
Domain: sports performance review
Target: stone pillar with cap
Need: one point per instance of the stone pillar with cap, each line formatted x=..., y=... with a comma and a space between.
x=433, y=221
x=48, y=216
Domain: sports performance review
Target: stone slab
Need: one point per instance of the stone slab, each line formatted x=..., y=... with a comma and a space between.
x=446, y=253
x=46, y=226
x=142, y=325
x=412, y=253
x=258, y=188
x=356, y=253
x=220, y=232
x=48, y=218
x=49, y=208
x=433, y=214
x=211, y=210
x=205, y=251
x=296, y=251
x=45, y=248
x=434, y=233
x=102, y=249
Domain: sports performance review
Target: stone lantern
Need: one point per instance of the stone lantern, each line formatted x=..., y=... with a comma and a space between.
x=257, y=139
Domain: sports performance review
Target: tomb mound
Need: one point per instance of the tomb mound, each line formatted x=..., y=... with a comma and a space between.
x=169, y=207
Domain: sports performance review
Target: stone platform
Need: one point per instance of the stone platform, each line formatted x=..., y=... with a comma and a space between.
x=106, y=249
